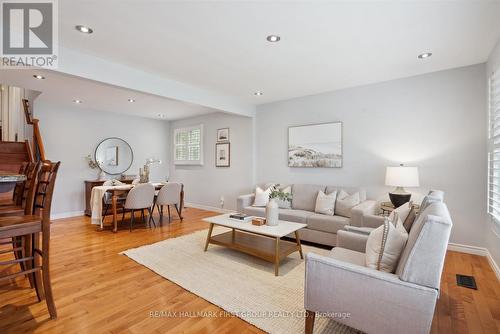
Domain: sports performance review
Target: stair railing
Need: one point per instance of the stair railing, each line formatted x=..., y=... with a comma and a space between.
x=38, y=149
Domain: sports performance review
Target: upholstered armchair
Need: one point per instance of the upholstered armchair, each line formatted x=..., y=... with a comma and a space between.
x=375, y=301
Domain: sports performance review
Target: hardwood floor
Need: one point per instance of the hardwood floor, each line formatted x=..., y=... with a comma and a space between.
x=99, y=291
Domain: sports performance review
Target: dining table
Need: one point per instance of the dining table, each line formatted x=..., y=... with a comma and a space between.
x=120, y=191
x=8, y=180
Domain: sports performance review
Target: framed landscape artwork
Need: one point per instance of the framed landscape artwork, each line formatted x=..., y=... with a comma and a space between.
x=223, y=135
x=317, y=145
x=222, y=155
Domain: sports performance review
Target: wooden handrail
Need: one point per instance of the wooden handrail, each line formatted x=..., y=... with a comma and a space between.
x=37, y=137
x=38, y=148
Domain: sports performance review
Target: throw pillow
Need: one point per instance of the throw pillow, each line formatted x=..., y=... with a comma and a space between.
x=385, y=245
x=345, y=203
x=402, y=211
x=428, y=200
x=325, y=204
x=407, y=224
x=261, y=197
x=285, y=204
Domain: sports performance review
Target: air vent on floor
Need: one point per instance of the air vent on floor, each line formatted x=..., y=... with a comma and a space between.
x=466, y=281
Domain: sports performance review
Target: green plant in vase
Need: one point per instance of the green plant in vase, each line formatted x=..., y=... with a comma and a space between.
x=272, y=208
x=277, y=193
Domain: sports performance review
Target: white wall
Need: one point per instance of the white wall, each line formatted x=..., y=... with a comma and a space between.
x=204, y=185
x=434, y=121
x=492, y=234
x=71, y=134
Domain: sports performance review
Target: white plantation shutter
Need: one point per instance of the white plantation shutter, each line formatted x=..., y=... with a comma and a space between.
x=188, y=145
x=494, y=148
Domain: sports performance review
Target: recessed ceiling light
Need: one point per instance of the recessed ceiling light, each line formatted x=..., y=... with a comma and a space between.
x=131, y=100
x=258, y=93
x=273, y=38
x=84, y=29
x=78, y=101
x=424, y=55
x=39, y=77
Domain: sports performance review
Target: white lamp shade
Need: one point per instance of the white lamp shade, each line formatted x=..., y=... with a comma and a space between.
x=401, y=176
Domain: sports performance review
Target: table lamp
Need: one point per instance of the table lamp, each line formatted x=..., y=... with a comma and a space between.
x=401, y=177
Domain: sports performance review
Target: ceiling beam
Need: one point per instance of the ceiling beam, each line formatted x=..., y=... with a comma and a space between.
x=94, y=68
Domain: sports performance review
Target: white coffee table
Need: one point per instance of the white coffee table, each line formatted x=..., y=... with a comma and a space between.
x=259, y=241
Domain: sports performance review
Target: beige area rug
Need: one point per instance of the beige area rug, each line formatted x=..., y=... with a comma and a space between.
x=236, y=282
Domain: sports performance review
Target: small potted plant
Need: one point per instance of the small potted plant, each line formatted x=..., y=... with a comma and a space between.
x=93, y=165
x=272, y=208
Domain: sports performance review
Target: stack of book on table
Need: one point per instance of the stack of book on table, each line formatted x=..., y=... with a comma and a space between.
x=241, y=217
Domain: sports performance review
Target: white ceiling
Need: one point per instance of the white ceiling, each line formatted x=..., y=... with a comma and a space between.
x=64, y=89
x=324, y=45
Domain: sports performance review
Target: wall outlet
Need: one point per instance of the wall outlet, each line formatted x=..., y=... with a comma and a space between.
x=221, y=202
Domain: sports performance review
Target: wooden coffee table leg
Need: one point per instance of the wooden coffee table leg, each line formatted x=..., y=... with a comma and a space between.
x=208, y=236
x=277, y=258
x=298, y=244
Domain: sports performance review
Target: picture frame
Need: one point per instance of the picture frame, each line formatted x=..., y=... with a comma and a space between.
x=222, y=135
x=222, y=155
x=316, y=145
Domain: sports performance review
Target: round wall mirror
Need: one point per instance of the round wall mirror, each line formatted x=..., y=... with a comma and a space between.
x=114, y=156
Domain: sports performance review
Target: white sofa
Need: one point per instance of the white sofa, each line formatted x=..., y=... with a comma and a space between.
x=321, y=229
x=380, y=302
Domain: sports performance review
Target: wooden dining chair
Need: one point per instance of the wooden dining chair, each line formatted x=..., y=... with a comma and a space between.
x=31, y=228
x=169, y=194
x=108, y=202
x=25, y=206
x=17, y=194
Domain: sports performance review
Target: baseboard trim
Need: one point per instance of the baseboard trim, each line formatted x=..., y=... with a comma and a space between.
x=468, y=249
x=481, y=251
x=207, y=207
x=70, y=214
x=493, y=265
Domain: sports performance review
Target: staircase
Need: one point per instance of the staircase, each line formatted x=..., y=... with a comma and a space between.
x=13, y=154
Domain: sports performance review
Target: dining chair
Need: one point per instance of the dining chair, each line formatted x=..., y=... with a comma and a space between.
x=140, y=197
x=24, y=207
x=17, y=194
x=108, y=201
x=31, y=228
x=169, y=194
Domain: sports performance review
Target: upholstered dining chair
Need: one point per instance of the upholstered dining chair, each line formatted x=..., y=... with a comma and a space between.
x=140, y=197
x=31, y=228
x=169, y=194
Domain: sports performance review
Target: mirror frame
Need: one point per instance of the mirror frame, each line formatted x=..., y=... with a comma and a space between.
x=123, y=140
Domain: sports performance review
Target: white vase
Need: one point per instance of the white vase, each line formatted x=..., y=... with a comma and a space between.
x=272, y=212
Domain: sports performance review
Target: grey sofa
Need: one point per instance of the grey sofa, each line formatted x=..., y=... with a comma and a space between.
x=371, y=222
x=380, y=302
x=321, y=229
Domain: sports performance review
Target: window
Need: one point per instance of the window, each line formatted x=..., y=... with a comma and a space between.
x=494, y=148
x=188, y=145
